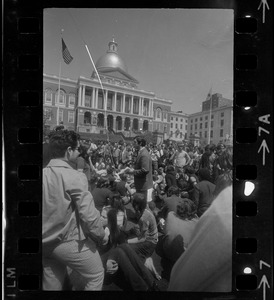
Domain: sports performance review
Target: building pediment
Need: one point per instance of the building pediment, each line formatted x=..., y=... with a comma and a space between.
x=116, y=73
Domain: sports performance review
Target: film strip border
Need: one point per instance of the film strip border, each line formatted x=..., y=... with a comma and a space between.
x=252, y=223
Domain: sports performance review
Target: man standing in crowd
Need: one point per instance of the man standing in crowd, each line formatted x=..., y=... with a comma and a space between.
x=142, y=170
x=180, y=158
x=71, y=223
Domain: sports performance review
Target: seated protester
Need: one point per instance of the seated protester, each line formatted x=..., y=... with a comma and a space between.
x=100, y=164
x=161, y=175
x=101, y=193
x=206, y=264
x=202, y=194
x=170, y=177
x=171, y=202
x=116, y=203
x=191, y=179
x=178, y=230
x=146, y=232
x=123, y=188
x=182, y=183
x=123, y=260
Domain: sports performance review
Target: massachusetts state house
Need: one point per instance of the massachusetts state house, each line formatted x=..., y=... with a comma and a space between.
x=122, y=108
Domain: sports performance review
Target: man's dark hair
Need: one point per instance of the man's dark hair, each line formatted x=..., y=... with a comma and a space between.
x=173, y=190
x=60, y=141
x=139, y=200
x=140, y=141
x=186, y=209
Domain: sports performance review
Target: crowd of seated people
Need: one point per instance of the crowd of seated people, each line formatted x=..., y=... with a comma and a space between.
x=178, y=224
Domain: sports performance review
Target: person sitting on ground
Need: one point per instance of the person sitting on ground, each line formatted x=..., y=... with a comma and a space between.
x=202, y=194
x=206, y=264
x=191, y=179
x=178, y=230
x=101, y=193
x=146, y=233
x=123, y=261
x=124, y=189
x=116, y=203
x=170, y=177
x=171, y=201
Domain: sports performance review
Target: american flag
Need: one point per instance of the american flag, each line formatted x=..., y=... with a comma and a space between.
x=66, y=55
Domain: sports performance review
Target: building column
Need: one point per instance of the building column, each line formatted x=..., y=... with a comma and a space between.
x=93, y=98
x=106, y=100
x=140, y=106
x=96, y=98
x=114, y=123
x=79, y=95
x=150, y=128
x=131, y=107
x=141, y=123
x=115, y=100
x=123, y=123
x=83, y=95
x=151, y=108
x=123, y=103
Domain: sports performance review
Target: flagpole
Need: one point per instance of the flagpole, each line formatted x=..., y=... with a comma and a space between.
x=92, y=62
x=59, y=84
x=104, y=94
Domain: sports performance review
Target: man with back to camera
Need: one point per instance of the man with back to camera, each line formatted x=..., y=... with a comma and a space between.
x=142, y=170
x=71, y=223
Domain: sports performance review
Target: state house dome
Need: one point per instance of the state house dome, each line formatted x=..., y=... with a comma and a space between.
x=111, y=59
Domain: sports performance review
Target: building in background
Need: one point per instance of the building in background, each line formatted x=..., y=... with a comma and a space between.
x=178, y=126
x=122, y=108
x=213, y=124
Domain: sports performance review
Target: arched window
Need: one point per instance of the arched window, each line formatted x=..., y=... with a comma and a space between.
x=101, y=120
x=159, y=113
x=62, y=98
x=48, y=96
x=87, y=117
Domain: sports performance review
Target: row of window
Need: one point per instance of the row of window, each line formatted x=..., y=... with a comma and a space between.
x=206, y=117
x=211, y=133
x=49, y=115
x=176, y=126
x=176, y=119
x=159, y=114
x=177, y=134
x=201, y=125
x=61, y=96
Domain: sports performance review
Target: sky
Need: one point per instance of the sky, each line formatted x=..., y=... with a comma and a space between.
x=178, y=54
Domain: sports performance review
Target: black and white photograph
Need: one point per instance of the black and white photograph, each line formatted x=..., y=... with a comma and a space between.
x=137, y=149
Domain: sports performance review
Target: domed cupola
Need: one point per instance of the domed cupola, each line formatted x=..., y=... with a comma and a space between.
x=111, y=59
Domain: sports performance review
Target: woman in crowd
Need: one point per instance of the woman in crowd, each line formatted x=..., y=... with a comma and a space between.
x=122, y=260
x=146, y=233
